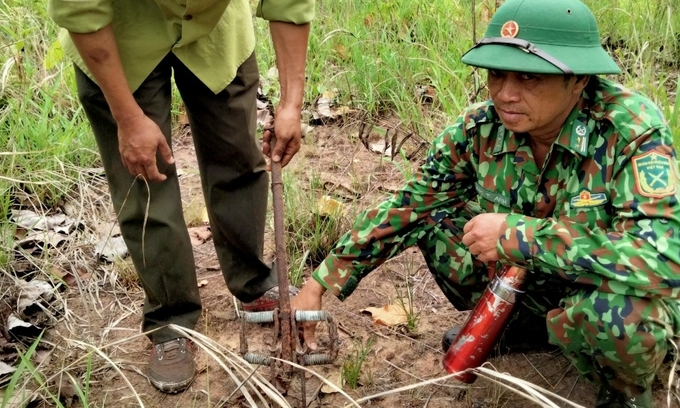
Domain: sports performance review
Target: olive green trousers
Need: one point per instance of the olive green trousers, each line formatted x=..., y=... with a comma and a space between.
x=234, y=181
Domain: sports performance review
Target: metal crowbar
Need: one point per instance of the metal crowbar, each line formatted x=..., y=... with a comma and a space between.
x=286, y=344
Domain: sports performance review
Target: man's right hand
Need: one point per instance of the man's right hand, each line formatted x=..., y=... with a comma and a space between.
x=139, y=138
x=309, y=298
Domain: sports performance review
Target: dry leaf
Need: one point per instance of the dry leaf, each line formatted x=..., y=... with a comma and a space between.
x=30, y=220
x=306, y=129
x=333, y=378
x=68, y=277
x=199, y=235
x=32, y=293
x=264, y=117
x=329, y=206
x=41, y=239
x=380, y=147
x=389, y=315
x=6, y=371
x=20, y=399
x=18, y=328
x=112, y=249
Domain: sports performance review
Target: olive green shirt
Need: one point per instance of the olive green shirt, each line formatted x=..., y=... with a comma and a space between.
x=211, y=37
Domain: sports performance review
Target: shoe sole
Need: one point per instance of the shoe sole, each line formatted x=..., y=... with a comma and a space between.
x=171, y=388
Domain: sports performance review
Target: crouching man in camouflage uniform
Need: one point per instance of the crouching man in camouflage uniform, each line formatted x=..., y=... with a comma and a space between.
x=564, y=173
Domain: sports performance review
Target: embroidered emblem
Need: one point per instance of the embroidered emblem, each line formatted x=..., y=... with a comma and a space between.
x=581, y=130
x=510, y=29
x=654, y=175
x=587, y=199
x=579, y=137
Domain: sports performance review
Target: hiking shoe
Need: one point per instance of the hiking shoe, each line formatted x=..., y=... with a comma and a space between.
x=172, y=367
x=269, y=301
x=608, y=397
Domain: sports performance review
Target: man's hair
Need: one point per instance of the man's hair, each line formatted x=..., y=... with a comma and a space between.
x=568, y=77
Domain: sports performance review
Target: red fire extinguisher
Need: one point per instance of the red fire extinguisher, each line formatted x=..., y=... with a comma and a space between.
x=485, y=324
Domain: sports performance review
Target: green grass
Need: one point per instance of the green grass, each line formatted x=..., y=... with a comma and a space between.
x=312, y=228
x=40, y=120
x=351, y=367
x=44, y=140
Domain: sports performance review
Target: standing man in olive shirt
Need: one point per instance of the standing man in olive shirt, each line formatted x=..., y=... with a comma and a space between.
x=125, y=54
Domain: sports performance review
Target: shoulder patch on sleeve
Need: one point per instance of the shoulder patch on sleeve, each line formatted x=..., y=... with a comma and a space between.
x=654, y=175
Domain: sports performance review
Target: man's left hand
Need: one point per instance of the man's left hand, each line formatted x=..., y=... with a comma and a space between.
x=287, y=132
x=481, y=235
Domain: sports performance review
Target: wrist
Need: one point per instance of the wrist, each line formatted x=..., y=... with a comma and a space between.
x=294, y=106
x=315, y=287
x=127, y=115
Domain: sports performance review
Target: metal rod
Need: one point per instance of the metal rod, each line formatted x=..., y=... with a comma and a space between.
x=281, y=264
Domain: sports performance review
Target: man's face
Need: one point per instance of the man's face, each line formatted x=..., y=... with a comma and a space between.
x=536, y=104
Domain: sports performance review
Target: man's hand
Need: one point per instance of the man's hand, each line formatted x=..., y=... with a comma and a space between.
x=290, y=45
x=139, y=138
x=309, y=298
x=481, y=234
x=288, y=134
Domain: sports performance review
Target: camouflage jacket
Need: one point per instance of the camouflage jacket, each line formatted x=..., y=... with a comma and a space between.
x=603, y=210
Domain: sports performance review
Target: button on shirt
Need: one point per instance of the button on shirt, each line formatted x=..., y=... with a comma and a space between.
x=211, y=37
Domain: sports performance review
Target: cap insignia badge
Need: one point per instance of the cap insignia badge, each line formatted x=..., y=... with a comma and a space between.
x=510, y=29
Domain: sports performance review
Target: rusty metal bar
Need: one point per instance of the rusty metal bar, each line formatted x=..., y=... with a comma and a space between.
x=285, y=316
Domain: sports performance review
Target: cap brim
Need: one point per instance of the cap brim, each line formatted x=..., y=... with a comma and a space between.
x=581, y=60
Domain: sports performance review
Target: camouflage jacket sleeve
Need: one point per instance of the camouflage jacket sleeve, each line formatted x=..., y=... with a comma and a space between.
x=380, y=233
x=633, y=248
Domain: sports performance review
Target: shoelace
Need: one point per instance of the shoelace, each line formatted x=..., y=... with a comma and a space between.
x=171, y=349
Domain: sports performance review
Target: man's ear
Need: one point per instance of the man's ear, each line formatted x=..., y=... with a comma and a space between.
x=581, y=82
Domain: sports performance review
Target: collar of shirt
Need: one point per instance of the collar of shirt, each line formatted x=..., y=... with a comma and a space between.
x=574, y=136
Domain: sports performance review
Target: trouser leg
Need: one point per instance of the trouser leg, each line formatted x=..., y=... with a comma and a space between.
x=157, y=239
x=232, y=166
x=461, y=277
x=621, y=340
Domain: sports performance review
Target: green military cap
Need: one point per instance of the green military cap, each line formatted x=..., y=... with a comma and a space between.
x=542, y=37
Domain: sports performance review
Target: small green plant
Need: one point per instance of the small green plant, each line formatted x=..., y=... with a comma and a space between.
x=351, y=367
x=406, y=299
x=404, y=165
x=16, y=393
